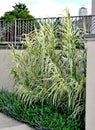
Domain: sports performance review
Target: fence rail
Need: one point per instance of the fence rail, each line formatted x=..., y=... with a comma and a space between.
x=12, y=31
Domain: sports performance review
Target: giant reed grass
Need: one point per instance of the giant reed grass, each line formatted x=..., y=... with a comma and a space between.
x=43, y=75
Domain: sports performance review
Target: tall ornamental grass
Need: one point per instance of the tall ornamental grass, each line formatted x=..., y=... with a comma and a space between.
x=47, y=75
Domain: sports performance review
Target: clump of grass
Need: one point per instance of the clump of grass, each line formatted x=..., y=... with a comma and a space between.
x=42, y=74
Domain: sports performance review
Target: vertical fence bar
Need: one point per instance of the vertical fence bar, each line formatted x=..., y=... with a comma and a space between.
x=15, y=30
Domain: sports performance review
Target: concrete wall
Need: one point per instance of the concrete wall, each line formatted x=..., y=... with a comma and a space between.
x=90, y=85
x=6, y=79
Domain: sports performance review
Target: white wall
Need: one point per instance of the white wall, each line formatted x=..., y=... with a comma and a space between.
x=90, y=86
x=6, y=79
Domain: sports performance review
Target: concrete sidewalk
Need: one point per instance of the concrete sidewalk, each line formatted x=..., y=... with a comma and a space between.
x=7, y=123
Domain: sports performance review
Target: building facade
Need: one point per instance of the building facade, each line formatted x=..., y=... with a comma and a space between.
x=82, y=11
x=93, y=7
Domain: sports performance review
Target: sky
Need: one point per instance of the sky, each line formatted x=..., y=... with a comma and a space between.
x=48, y=8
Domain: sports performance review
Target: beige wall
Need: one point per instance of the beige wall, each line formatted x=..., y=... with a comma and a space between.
x=90, y=86
x=6, y=79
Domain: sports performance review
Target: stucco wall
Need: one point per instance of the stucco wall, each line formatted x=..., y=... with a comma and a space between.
x=90, y=85
x=6, y=79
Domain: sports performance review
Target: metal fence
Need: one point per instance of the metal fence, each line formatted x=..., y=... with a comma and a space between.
x=12, y=31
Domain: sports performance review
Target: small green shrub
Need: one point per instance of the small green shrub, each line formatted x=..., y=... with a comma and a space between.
x=40, y=117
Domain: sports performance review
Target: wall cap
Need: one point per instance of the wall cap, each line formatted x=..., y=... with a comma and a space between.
x=89, y=37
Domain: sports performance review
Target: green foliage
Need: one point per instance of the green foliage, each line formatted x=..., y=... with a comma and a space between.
x=44, y=74
x=74, y=71
x=20, y=7
x=20, y=10
x=40, y=117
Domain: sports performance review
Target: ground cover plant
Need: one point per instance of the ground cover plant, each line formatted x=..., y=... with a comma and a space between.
x=47, y=76
x=37, y=116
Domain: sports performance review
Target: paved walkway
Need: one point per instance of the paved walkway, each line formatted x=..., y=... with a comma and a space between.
x=7, y=123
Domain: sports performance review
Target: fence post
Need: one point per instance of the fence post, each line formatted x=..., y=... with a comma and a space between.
x=90, y=83
x=15, y=30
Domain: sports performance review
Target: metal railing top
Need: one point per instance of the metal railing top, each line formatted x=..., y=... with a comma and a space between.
x=11, y=31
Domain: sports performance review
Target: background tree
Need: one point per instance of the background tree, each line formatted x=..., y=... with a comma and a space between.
x=20, y=10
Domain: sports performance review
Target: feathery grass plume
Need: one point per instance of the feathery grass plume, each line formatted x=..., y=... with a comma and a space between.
x=44, y=75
